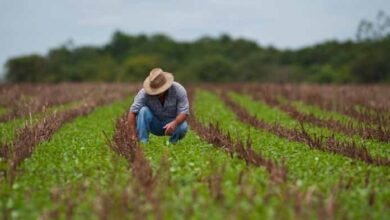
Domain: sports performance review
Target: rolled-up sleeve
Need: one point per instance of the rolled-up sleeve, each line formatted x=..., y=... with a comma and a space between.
x=139, y=102
x=183, y=104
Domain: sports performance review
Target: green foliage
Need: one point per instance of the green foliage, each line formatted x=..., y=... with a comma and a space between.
x=213, y=69
x=76, y=174
x=329, y=74
x=134, y=68
x=252, y=68
x=221, y=59
x=76, y=164
x=2, y=110
x=373, y=65
x=307, y=168
x=275, y=115
x=192, y=163
x=27, y=68
x=9, y=129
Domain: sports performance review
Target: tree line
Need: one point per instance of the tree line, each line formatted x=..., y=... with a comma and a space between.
x=219, y=59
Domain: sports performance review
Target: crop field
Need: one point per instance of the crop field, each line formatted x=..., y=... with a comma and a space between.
x=253, y=151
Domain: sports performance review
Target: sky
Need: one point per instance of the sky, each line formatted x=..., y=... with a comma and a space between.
x=35, y=26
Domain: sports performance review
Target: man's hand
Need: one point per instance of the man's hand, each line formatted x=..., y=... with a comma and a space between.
x=170, y=127
x=133, y=137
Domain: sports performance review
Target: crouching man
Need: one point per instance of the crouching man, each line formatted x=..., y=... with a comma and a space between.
x=160, y=107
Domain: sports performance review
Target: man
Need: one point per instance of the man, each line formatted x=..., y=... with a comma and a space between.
x=161, y=108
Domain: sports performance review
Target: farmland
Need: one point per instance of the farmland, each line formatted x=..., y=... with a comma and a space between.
x=253, y=151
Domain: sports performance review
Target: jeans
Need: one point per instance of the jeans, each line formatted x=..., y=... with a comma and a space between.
x=147, y=122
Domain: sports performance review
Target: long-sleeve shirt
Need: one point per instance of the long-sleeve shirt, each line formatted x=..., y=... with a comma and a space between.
x=176, y=101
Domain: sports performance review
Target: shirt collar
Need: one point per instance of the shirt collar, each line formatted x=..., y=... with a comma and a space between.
x=169, y=94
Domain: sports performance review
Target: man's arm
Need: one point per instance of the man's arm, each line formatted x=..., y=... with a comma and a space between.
x=132, y=125
x=139, y=102
x=182, y=109
x=171, y=126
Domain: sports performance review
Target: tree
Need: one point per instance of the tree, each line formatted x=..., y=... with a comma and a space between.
x=371, y=66
x=220, y=59
x=214, y=69
x=120, y=45
x=252, y=68
x=138, y=67
x=30, y=68
x=60, y=65
x=98, y=68
x=374, y=30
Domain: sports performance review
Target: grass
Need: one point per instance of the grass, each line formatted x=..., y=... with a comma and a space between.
x=8, y=129
x=2, y=110
x=275, y=115
x=307, y=168
x=192, y=162
x=76, y=174
x=320, y=113
x=75, y=157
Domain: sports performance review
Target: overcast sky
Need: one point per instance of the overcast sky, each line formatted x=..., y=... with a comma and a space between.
x=35, y=26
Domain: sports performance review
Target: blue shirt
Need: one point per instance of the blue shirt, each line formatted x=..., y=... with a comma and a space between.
x=175, y=102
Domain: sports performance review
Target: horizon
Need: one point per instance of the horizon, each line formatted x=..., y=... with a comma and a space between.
x=71, y=41
x=268, y=23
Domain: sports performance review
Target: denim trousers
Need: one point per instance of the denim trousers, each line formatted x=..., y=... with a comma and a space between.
x=148, y=123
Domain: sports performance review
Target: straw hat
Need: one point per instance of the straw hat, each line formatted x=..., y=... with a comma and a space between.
x=158, y=81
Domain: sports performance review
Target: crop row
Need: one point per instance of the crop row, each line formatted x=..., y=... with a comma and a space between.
x=310, y=168
x=229, y=169
x=175, y=188
x=167, y=192
x=294, y=196
x=31, y=135
x=379, y=132
x=25, y=99
x=273, y=115
x=213, y=135
x=155, y=185
x=349, y=149
x=72, y=170
x=145, y=183
x=368, y=104
x=9, y=129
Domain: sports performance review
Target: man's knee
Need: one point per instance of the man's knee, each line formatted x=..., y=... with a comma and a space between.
x=144, y=115
x=183, y=128
x=179, y=133
x=145, y=111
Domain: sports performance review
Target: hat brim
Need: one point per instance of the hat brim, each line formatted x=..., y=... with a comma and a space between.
x=151, y=91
